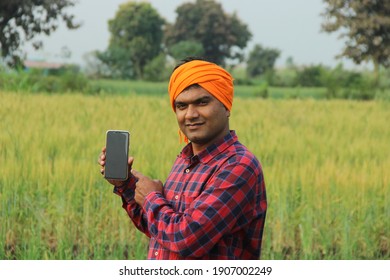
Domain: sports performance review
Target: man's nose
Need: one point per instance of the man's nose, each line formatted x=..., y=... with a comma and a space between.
x=192, y=112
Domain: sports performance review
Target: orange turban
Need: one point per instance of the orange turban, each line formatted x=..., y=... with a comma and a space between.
x=216, y=80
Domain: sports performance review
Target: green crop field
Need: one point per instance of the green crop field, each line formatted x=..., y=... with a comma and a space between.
x=326, y=165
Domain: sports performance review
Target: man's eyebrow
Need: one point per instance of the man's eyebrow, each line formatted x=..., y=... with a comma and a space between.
x=197, y=100
x=179, y=103
x=206, y=97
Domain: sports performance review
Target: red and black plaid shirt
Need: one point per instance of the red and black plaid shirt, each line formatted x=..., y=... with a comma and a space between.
x=213, y=206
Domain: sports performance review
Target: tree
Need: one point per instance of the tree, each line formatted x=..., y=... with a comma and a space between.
x=22, y=20
x=157, y=69
x=186, y=48
x=366, y=27
x=261, y=60
x=311, y=76
x=118, y=63
x=94, y=67
x=136, y=37
x=221, y=35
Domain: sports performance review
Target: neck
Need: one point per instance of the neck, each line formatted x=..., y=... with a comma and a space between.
x=199, y=147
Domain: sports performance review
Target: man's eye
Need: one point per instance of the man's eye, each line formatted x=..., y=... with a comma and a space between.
x=180, y=106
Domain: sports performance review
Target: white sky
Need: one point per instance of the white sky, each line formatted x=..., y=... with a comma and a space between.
x=292, y=26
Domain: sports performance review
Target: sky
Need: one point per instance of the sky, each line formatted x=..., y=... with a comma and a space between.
x=291, y=26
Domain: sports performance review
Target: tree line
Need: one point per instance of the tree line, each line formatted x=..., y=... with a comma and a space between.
x=142, y=43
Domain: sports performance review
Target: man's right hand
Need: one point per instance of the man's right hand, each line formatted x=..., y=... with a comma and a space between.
x=102, y=162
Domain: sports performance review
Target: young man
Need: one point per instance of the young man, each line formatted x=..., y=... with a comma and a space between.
x=213, y=204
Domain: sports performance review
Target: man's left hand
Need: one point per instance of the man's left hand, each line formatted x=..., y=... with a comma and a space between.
x=144, y=186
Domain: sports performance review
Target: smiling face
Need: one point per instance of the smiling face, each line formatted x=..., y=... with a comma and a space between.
x=201, y=117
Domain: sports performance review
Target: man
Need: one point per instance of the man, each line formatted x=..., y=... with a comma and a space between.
x=213, y=204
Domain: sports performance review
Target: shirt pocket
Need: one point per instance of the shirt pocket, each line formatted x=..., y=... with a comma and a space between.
x=182, y=201
x=181, y=196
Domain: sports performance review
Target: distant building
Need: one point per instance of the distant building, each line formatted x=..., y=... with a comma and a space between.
x=46, y=67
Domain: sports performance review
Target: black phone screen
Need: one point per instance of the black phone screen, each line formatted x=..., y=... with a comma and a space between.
x=117, y=148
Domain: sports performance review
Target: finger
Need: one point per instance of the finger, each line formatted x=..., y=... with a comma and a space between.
x=137, y=174
x=102, y=171
x=101, y=161
x=102, y=156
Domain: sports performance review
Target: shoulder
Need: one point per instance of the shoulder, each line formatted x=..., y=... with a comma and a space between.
x=242, y=154
x=239, y=155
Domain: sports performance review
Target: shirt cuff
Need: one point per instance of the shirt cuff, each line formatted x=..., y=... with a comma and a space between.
x=127, y=190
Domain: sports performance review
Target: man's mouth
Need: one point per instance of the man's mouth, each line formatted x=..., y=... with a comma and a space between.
x=194, y=125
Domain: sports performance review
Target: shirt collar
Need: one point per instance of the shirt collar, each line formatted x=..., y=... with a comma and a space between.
x=211, y=151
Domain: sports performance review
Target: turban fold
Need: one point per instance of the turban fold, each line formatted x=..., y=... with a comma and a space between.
x=213, y=78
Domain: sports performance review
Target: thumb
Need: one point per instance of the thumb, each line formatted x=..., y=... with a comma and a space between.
x=130, y=161
x=136, y=174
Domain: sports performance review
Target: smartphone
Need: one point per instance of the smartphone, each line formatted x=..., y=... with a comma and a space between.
x=117, y=153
